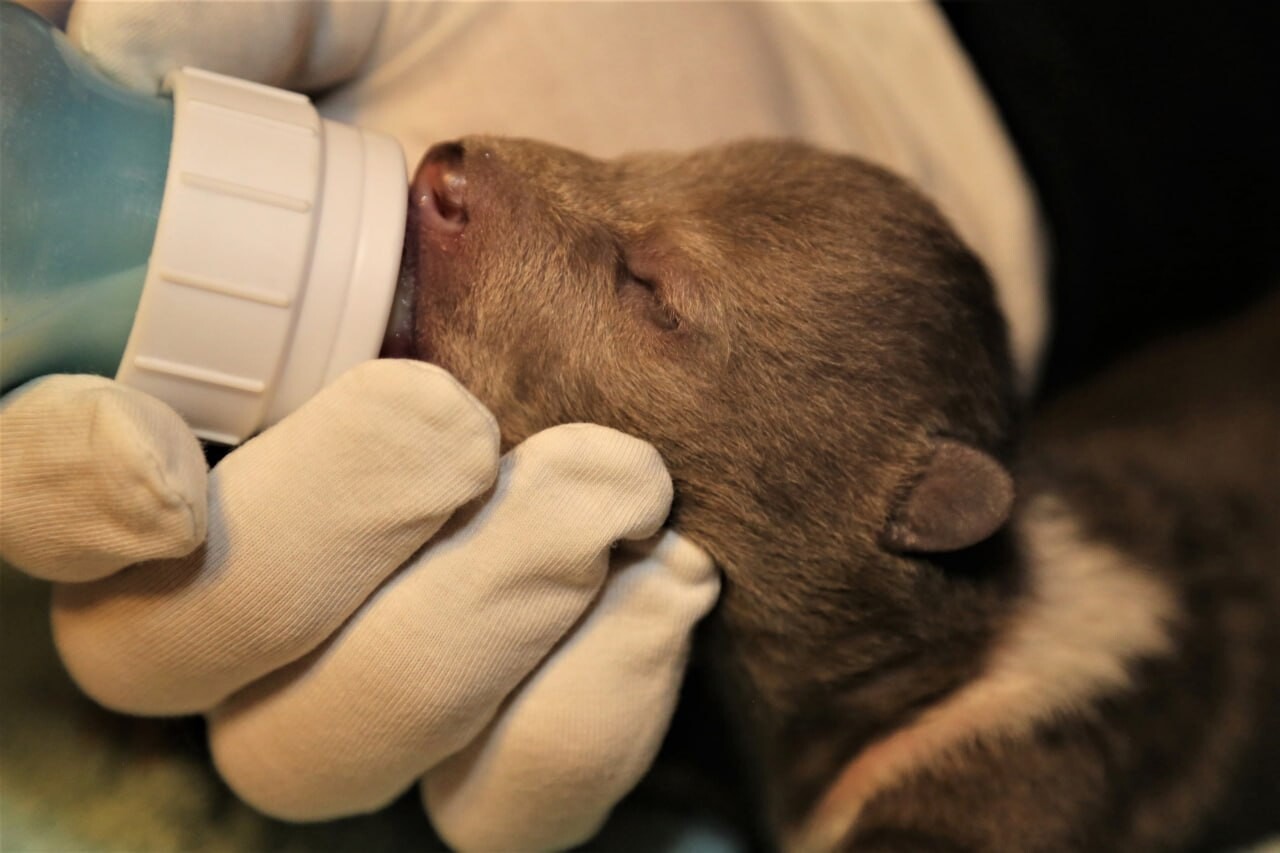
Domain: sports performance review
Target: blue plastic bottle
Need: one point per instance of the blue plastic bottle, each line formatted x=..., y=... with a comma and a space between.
x=223, y=247
x=82, y=173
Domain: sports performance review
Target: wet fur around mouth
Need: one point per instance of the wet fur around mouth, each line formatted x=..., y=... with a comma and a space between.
x=821, y=363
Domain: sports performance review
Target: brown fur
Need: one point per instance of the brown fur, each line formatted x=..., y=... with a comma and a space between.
x=794, y=330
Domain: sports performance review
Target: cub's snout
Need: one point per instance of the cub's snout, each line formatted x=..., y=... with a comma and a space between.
x=439, y=190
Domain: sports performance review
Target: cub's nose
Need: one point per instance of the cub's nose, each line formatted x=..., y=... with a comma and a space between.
x=440, y=188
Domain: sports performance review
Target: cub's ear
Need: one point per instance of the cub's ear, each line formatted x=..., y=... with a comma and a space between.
x=963, y=496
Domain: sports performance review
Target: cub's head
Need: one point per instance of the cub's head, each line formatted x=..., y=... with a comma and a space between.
x=793, y=329
x=816, y=355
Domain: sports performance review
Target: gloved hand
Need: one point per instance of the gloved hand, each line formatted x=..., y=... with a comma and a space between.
x=355, y=604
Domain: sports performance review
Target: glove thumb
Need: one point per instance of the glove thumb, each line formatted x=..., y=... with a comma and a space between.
x=95, y=476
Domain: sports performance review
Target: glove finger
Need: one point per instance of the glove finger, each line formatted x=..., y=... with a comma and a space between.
x=582, y=731
x=138, y=42
x=305, y=521
x=95, y=476
x=298, y=45
x=425, y=664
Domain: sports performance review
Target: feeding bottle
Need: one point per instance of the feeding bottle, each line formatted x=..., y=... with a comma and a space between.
x=221, y=247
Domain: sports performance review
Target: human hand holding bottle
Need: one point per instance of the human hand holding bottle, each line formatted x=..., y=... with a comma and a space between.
x=366, y=595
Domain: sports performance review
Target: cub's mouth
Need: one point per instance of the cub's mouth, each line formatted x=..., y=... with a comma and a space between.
x=437, y=218
x=399, y=340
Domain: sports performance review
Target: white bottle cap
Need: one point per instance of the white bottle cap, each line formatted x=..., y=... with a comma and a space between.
x=275, y=257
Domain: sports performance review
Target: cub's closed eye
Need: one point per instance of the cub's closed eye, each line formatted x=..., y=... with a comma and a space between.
x=645, y=296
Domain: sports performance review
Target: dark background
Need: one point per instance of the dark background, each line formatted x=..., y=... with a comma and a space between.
x=1149, y=130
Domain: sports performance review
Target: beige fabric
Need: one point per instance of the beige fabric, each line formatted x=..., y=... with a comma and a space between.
x=586, y=727
x=299, y=45
x=422, y=668
x=304, y=522
x=95, y=476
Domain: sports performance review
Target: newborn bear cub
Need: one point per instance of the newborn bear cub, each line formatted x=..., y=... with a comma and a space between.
x=932, y=636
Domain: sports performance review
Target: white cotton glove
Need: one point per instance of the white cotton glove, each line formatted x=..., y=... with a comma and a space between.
x=516, y=786
x=95, y=476
x=337, y=658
